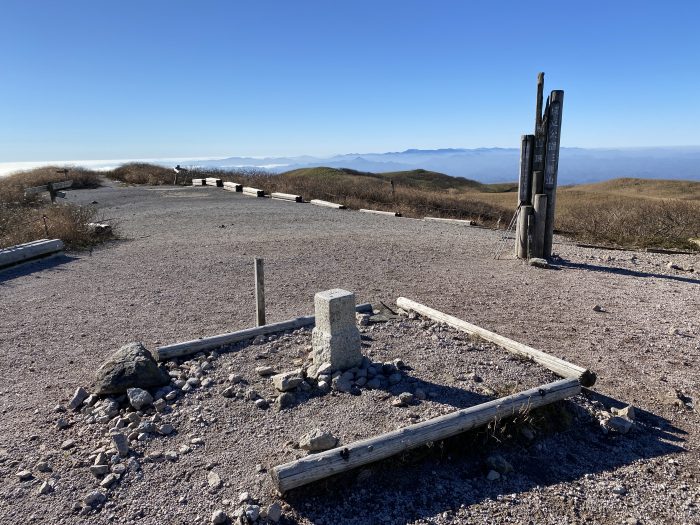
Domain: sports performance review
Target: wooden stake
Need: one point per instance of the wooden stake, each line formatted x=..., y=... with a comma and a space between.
x=259, y=292
x=556, y=102
x=344, y=458
x=556, y=365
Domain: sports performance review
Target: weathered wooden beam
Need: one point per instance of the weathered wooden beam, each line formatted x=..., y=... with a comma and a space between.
x=555, y=364
x=551, y=164
x=213, y=181
x=36, y=189
x=62, y=185
x=286, y=197
x=540, y=139
x=247, y=190
x=379, y=212
x=319, y=202
x=341, y=459
x=452, y=221
x=527, y=144
x=233, y=186
x=210, y=343
x=29, y=251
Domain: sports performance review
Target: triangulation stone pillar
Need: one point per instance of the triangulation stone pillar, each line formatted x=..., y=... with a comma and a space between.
x=336, y=339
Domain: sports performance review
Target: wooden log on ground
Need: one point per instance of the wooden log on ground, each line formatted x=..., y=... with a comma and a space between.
x=247, y=190
x=29, y=251
x=341, y=459
x=286, y=197
x=540, y=218
x=213, y=181
x=452, y=221
x=379, y=212
x=199, y=182
x=555, y=364
x=233, y=186
x=210, y=343
x=319, y=202
x=521, y=233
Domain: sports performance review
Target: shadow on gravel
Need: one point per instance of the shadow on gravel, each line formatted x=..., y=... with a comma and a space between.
x=33, y=267
x=438, y=480
x=623, y=271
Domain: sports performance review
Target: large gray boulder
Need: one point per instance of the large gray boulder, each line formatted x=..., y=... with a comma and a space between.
x=132, y=366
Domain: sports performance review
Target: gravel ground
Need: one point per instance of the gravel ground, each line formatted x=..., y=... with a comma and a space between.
x=184, y=270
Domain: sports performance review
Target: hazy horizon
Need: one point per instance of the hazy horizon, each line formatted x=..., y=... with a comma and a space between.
x=488, y=165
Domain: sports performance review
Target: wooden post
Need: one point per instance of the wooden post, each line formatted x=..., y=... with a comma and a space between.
x=318, y=466
x=551, y=167
x=540, y=217
x=527, y=143
x=524, y=183
x=259, y=292
x=537, y=182
x=521, y=234
x=538, y=155
x=52, y=192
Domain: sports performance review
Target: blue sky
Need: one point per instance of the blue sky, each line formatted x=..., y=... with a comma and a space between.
x=132, y=79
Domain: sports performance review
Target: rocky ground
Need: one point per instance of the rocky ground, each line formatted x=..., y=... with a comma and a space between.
x=206, y=442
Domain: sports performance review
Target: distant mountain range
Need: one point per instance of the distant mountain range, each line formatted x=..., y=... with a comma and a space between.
x=487, y=165
x=576, y=165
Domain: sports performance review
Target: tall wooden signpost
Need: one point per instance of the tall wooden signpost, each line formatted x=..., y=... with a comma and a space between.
x=539, y=164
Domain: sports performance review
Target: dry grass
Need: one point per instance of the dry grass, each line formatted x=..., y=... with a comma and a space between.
x=25, y=218
x=629, y=221
x=647, y=188
x=142, y=173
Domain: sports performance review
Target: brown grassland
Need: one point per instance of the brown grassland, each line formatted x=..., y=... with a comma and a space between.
x=25, y=218
x=635, y=213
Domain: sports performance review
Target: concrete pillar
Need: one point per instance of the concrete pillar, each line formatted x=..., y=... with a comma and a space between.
x=336, y=339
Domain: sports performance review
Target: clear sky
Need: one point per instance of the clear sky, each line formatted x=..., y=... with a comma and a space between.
x=88, y=79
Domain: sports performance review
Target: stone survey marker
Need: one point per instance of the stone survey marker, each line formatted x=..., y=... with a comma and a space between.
x=336, y=339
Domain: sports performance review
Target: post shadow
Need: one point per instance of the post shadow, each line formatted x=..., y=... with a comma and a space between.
x=624, y=271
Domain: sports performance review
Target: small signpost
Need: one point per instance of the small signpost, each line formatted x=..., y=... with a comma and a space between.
x=52, y=187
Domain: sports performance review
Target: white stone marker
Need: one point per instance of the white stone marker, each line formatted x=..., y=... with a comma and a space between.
x=336, y=339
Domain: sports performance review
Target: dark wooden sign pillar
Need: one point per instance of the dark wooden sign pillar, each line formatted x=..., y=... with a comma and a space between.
x=537, y=188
